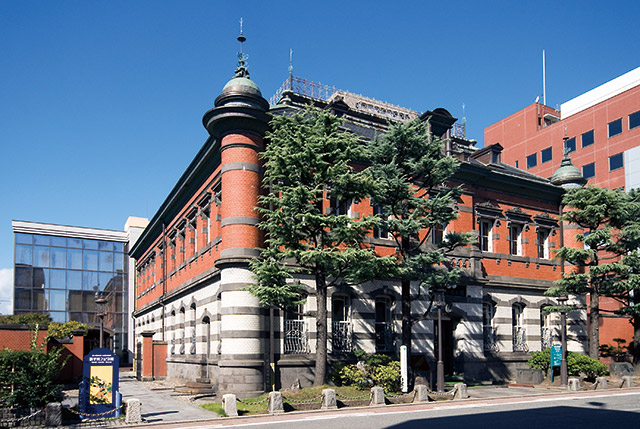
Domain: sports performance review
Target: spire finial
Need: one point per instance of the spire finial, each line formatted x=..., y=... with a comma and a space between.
x=242, y=71
x=291, y=69
x=566, y=150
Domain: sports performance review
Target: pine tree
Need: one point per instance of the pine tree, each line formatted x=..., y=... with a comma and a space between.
x=308, y=162
x=606, y=264
x=411, y=172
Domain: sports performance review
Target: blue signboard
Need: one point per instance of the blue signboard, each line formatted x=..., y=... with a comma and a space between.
x=98, y=391
x=556, y=357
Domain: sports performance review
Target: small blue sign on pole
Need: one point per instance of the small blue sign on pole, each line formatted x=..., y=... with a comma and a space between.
x=556, y=357
x=98, y=391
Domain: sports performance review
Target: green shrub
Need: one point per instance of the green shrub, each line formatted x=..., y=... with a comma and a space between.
x=373, y=370
x=26, y=319
x=28, y=378
x=576, y=364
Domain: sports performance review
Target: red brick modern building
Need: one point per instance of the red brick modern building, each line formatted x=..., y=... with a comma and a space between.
x=192, y=260
x=601, y=131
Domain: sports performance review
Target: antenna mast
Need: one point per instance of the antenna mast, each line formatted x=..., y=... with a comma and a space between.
x=291, y=69
x=544, y=80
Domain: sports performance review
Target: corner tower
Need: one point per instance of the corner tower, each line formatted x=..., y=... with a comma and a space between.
x=238, y=122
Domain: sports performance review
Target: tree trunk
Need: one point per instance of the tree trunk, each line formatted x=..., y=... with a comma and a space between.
x=594, y=321
x=321, y=329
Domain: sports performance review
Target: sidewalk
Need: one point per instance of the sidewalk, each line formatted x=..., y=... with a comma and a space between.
x=159, y=406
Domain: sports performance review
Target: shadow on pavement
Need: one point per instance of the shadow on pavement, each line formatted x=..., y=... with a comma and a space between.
x=551, y=418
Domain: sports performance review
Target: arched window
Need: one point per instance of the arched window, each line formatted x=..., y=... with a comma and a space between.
x=384, y=325
x=172, y=324
x=181, y=318
x=519, y=333
x=489, y=331
x=545, y=329
x=341, y=324
x=206, y=328
x=192, y=322
x=295, y=331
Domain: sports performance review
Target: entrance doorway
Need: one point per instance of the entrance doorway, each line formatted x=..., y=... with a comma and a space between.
x=447, y=344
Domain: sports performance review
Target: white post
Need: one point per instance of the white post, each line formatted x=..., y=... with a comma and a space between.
x=404, y=369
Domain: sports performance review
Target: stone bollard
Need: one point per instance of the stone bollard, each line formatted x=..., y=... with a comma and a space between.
x=627, y=381
x=377, y=396
x=53, y=414
x=422, y=393
x=574, y=384
x=229, y=405
x=275, y=403
x=134, y=411
x=329, y=400
x=461, y=391
x=601, y=383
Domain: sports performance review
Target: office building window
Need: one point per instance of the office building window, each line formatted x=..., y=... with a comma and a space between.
x=543, y=243
x=615, y=161
x=587, y=138
x=532, y=160
x=634, y=120
x=570, y=145
x=546, y=155
x=615, y=127
x=589, y=170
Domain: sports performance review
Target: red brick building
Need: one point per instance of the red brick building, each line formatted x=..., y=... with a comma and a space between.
x=192, y=260
x=602, y=129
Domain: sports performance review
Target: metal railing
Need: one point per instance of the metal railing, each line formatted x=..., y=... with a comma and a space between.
x=295, y=337
x=341, y=337
x=302, y=86
x=490, y=339
x=384, y=337
x=520, y=339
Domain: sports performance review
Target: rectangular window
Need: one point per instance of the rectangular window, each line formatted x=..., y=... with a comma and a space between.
x=570, y=145
x=486, y=236
x=437, y=233
x=543, y=243
x=532, y=160
x=587, y=138
x=546, y=155
x=589, y=170
x=515, y=240
x=634, y=120
x=517, y=164
x=615, y=162
x=380, y=231
x=615, y=127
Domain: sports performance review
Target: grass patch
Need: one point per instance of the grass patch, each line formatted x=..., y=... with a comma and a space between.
x=250, y=406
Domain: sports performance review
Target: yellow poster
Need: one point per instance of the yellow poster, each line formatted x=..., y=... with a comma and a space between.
x=100, y=389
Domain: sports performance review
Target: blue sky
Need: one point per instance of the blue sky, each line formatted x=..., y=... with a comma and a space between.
x=101, y=102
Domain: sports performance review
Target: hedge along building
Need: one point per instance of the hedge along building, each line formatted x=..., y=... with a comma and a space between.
x=192, y=260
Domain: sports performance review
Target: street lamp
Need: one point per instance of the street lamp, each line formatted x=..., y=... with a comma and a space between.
x=101, y=311
x=439, y=303
x=562, y=300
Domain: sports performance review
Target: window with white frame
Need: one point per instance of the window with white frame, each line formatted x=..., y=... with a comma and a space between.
x=519, y=333
x=438, y=232
x=341, y=323
x=489, y=333
x=380, y=231
x=485, y=238
x=515, y=239
x=543, y=243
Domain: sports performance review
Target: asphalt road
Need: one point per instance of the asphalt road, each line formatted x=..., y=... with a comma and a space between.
x=604, y=410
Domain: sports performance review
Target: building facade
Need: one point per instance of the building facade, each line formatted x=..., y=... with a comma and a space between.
x=600, y=129
x=61, y=270
x=192, y=260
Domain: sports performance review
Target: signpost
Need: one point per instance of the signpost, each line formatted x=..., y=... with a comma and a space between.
x=556, y=357
x=98, y=391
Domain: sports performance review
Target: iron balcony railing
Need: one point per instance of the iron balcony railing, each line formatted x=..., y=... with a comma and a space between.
x=520, y=339
x=384, y=337
x=295, y=337
x=490, y=337
x=341, y=339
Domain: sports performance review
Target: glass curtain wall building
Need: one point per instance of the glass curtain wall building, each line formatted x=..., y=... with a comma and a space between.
x=61, y=270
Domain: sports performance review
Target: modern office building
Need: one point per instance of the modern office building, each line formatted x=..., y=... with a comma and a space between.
x=61, y=270
x=192, y=261
x=600, y=129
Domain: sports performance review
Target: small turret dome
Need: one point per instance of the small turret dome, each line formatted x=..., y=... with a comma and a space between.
x=568, y=176
x=242, y=84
